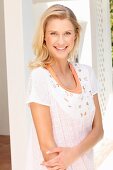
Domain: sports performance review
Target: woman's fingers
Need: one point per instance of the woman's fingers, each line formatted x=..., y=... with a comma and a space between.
x=55, y=164
x=52, y=162
x=54, y=150
x=56, y=168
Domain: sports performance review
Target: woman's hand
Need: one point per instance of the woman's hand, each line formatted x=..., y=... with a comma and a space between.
x=64, y=159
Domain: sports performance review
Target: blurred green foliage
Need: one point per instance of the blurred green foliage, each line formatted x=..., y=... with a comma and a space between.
x=111, y=20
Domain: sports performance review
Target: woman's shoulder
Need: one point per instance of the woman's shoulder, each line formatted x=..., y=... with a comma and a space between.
x=39, y=74
x=39, y=71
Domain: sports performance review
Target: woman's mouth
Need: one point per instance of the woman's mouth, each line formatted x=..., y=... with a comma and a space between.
x=61, y=48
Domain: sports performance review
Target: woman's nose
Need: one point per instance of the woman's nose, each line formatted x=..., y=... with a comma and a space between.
x=61, y=39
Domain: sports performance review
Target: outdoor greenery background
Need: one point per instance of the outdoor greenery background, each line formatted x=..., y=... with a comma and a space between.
x=111, y=14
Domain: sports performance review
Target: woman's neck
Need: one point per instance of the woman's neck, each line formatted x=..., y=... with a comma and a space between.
x=61, y=67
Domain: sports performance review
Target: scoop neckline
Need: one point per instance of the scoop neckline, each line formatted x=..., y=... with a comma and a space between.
x=78, y=88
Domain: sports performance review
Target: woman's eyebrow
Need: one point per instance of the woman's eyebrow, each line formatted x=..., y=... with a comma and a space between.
x=57, y=31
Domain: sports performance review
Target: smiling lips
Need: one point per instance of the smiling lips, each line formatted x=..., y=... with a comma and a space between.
x=60, y=49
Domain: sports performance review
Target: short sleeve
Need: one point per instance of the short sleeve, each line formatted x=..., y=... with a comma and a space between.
x=37, y=88
x=93, y=81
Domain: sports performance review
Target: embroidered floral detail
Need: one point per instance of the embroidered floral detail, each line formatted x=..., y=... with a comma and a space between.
x=54, y=85
x=69, y=106
x=71, y=94
x=50, y=75
x=83, y=88
x=82, y=98
x=87, y=103
x=81, y=114
x=79, y=70
x=85, y=114
x=57, y=85
x=79, y=106
x=90, y=92
x=68, y=93
x=85, y=78
x=66, y=99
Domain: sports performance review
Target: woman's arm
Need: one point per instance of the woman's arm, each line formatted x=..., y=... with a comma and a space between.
x=68, y=155
x=43, y=124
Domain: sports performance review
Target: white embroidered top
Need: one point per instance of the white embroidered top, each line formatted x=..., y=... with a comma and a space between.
x=72, y=112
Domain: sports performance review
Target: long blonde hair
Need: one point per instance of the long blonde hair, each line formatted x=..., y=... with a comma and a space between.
x=41, y=52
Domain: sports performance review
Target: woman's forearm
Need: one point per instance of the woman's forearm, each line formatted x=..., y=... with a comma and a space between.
x=68, y=155
x=48, y=145
x=93, y=137
x=43, y=125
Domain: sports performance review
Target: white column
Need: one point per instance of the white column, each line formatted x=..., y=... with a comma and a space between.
x=101, y=48
x=15, y=53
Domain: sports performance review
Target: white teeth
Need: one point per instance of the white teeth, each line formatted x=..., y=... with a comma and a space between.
x=60, y=48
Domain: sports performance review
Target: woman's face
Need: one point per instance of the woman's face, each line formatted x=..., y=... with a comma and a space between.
x=59, y=37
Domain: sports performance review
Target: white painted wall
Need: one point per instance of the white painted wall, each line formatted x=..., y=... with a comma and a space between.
x=4, y=116
x=16, y=53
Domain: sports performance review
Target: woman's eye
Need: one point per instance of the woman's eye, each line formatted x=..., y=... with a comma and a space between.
x=67, y=33
x=53, y=33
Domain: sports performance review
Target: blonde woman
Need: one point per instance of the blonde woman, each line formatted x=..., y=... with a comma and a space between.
x=63, y=97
